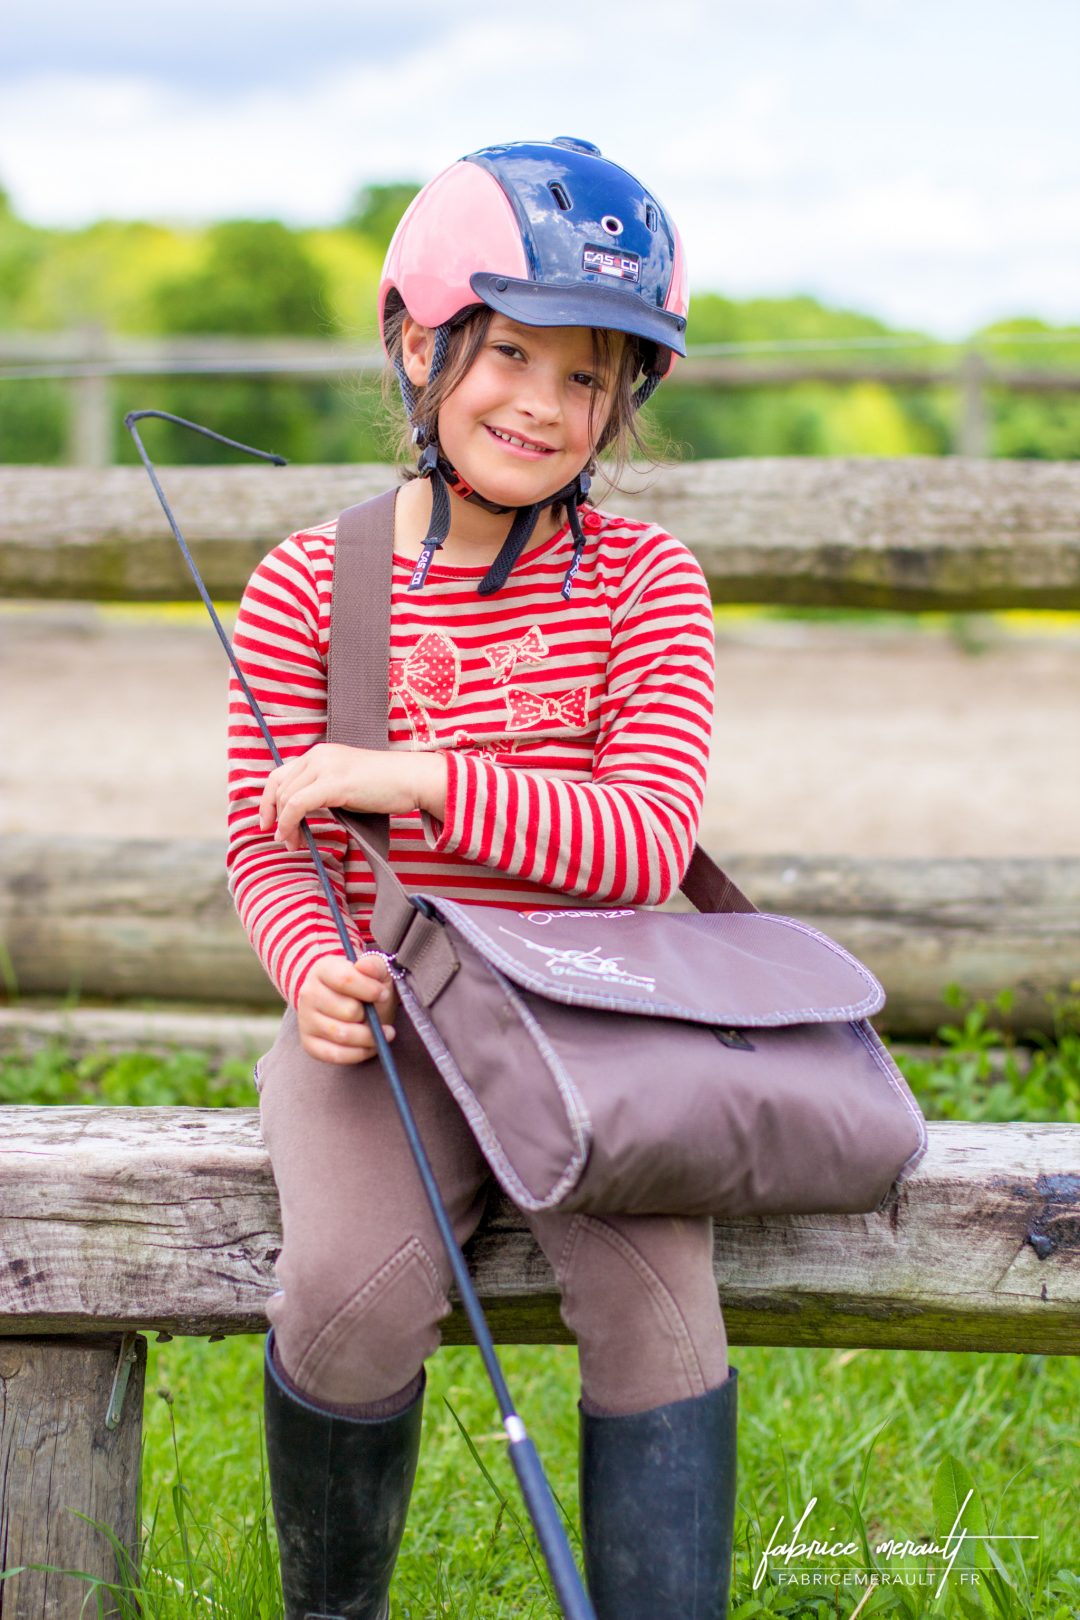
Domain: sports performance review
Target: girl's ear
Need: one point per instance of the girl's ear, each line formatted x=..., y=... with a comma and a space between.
x=417, y=343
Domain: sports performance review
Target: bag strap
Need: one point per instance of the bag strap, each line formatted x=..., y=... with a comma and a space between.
x=358, y=685
x=358, y=672
x=358, y=704
x=708, y=887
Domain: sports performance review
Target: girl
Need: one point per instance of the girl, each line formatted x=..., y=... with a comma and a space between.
x=551, y=685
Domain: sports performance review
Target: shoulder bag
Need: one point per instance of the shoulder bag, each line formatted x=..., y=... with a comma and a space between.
x=621, y=1060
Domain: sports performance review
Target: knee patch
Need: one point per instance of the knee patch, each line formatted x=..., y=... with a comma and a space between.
x=645, y=1314
x=374, y=1340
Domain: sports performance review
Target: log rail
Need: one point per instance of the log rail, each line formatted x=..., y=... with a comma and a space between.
x=912, y=533
x=152, y=918
x=100, y=1232
x=114, y=1221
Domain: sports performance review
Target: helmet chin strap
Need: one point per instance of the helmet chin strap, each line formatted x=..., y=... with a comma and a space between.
x=465, y=491
x=525, y=518
x=443, y=478
x=570, y=496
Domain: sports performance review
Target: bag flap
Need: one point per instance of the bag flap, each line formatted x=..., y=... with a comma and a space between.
x=733, y=968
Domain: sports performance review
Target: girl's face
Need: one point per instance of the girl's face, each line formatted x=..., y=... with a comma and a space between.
x=517, y=426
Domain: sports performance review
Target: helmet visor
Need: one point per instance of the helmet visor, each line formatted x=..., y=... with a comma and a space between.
x=536, y=303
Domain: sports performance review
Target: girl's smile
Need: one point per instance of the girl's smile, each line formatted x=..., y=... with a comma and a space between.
x=528, y=447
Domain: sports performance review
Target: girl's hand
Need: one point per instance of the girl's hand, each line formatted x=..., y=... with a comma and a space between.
x=330, y=776
x=330, y=1007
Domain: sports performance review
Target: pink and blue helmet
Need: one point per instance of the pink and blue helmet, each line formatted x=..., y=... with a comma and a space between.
x=548, y=234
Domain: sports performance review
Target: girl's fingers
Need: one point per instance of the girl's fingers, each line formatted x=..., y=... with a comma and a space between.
x=366, y=979
x=332, y=1009
x=331, y=1051
x=268, y=804
x=299, y=801
x=340, y=1031
x=349, y=1009
x=281, y=780
x=375, y=966
x=326, y=1003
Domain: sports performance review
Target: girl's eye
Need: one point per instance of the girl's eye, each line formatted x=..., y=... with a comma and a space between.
x=588, y=379
x=507, y=348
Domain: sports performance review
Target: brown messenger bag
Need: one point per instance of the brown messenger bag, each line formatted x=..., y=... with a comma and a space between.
x=626, y=1060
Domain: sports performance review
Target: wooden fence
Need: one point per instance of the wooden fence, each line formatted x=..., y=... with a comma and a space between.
x=99, y=1237
x=979, y=1250
x=120, y=919
x=911, y=534
x=87, y=358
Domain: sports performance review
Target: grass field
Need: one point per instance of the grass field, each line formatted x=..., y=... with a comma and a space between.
x=884, y=1444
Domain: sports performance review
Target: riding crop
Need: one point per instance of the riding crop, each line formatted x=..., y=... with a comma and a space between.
x=535, y=1490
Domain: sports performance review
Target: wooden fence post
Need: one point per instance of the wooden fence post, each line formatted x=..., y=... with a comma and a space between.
x=70, y=1428
x=91, y=424
x=973, y=436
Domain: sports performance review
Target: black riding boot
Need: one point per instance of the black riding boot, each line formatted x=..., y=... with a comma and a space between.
x=340, y=1488
x=658, y=1508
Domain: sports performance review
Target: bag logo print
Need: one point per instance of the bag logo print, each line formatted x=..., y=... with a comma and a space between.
x=585, y=964
x=542, y=918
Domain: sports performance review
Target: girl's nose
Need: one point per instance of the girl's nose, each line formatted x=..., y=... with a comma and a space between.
x=539, y=396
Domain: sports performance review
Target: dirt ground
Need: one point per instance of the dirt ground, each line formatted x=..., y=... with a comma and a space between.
x=864, y=740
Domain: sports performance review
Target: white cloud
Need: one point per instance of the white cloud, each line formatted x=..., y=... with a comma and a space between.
x=919, y=160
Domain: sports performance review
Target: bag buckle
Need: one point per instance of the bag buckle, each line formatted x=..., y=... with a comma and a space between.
x=733, y=1038
x=426, y=953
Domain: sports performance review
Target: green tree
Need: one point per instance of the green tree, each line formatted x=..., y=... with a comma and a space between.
x=22, y=250
x=377, y=209
x=256, y=278
x=1030, y=426
x=800, y=419
x=106, y=274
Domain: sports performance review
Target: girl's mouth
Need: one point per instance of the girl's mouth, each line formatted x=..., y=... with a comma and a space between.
x=519, y=446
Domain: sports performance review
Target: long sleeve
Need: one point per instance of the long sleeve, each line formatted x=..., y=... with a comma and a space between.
x=626, y=836
x=280, y=645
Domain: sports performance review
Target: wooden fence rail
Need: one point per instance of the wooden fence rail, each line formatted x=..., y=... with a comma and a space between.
x=92, y=351
x=101, y=1239
x=980, y=1250
x=87, y=357
x=146, y=917
x=908, y=534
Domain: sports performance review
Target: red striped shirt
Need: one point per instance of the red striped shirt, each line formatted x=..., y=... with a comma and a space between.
x=576, y=733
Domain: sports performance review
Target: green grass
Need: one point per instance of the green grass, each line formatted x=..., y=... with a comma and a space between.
x=50, y=1074
x=868, y=1433
x=888, y=1442
x=980, y=1072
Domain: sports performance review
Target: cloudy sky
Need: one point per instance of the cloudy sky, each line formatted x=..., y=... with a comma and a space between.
x=917, y=159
